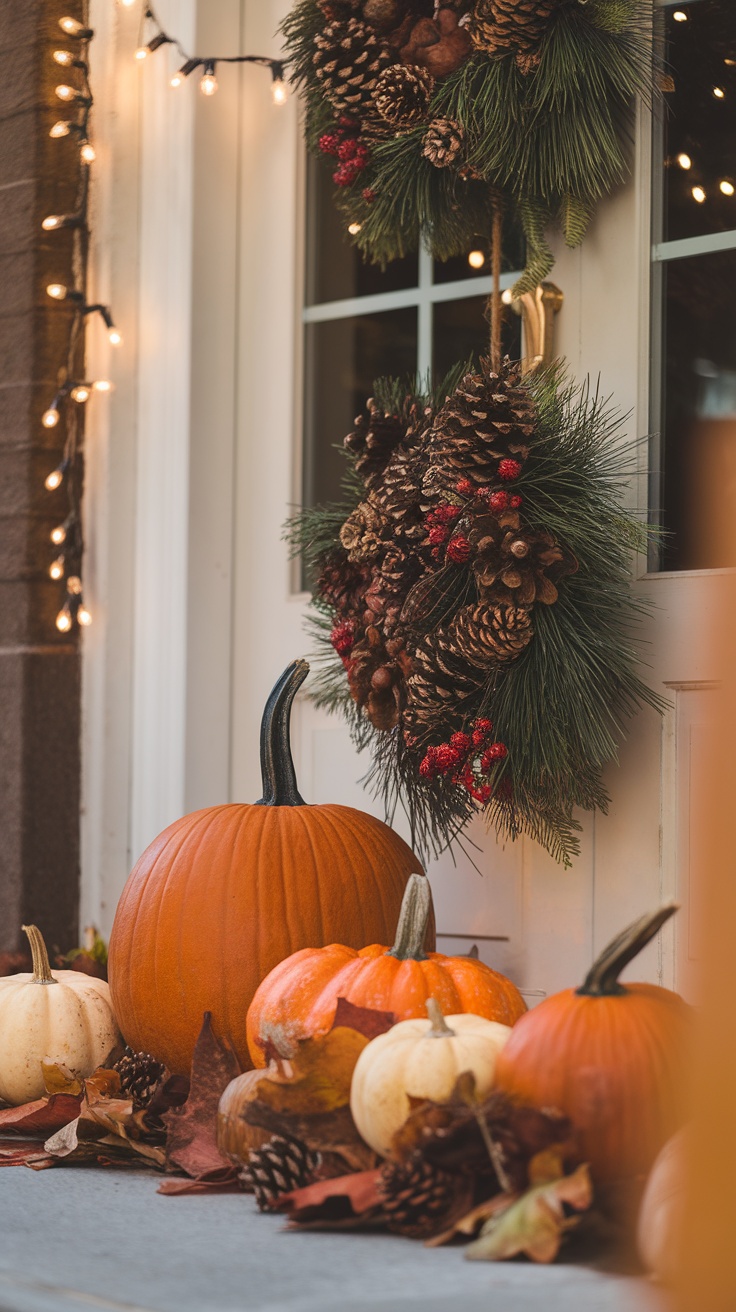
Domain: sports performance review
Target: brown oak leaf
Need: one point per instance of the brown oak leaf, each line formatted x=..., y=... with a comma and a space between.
x=366, y=1020
x=42, y=1117
x=341, y=1203
x=191, y=1144
x=536, y=1223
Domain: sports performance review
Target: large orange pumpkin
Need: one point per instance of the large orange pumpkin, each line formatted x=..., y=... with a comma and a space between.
x=613, y=1058
x=223, y=895
x=299, y=998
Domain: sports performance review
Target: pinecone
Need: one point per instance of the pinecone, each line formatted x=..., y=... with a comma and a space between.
x=363, y=532
x=348, y=58
x=402, y=94
x=139, y=1074
x=278, y=1167
x=442, y=142
x=373, y=441
x=490, y=418
x=484, y=635
x=500, y=26
x=415, y=1197
x=376, y=676
x=441, y=681
x=522, y=568
x=389, y=586
x=343, y=584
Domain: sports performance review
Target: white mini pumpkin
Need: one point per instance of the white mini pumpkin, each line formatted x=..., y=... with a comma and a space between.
x=417, y=1060
x=62, y=1015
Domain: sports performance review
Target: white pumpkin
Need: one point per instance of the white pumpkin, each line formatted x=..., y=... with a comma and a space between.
x=417, y=1060
x=660, y=1229
x=62, y=1015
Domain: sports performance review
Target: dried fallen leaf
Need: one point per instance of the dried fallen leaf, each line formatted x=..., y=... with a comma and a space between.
x=30, y=1153
x=191, y=1144
x=318, y=1076
x=535, y=1223
x=366, y=1020
x=42, y=1117
x=344, y=1202
x=333, y=1134
x=58, y=1078
x=222, y=1182
x=467, y=1226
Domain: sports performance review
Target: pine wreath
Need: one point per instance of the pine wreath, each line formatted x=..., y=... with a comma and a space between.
x=473, y=602
x=529, y=102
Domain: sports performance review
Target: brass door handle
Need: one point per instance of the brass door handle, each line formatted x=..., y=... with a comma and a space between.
x=538, y=310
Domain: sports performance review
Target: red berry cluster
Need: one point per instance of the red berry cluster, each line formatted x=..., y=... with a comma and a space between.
x=439, y=521
x=497, y=501
x=352, y=153
x=466, y=759
x=343, y=638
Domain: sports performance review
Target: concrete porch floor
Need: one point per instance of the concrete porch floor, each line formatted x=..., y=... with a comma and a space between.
x=72, y=1240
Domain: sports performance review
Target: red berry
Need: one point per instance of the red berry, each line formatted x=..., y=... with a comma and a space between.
x=461, y=742
x=496, y=752
x=482, y=794
x=515, y=502
x=465, y=487
x=438, y=535
x=346, y=122
x=458, y=549
x=498, y=501
x=509, y=470
x=436, y=553
x=481, y=730
x=427, y=768
x=346, y=173
x=446, y=513
x=447, y=758
x=347, y=148
x=329, y=143
x=343, y=638
x=369, y=195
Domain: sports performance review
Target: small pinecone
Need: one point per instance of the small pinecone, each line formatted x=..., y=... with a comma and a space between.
x=343, y=584
x=363, y=532
x=442, y=681
x=500, y=26
x=442, y=142
x=483, y=635
x=415, y=1197
x=139, y=1074
x=348, y=58
x=489, y=418
x=373, y=441
x=278, y=1167
x=402, y=95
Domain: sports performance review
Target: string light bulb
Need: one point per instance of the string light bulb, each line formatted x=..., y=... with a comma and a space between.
x=684, y=160
x=680, y=16
x=354, y=229
x=87, y=152
x=727, y=187
x=114, y=337
x=208, y=83
x=279, y=91
x=57, y=291
x=102, y=385
x=73, y=27
x=83, y=617
x=60, y=129
x=698, y=194
x=58, y=535
x=64, y=619
x=65, y=92
x=50, y=417
x=55, y=478
x=74, y=585
x=64, y=57
x=141, y=52
x=81, y=393
x=56, y=568
x=507, y=296
x=52, y=221
x=176, y=80
x=719, y=93
x=476, y=259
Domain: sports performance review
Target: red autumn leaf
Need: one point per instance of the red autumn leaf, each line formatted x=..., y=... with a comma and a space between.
x=365, y=1020
x=43, y=1117
x=349, y=1199
x=191, y=1142
x=31, y=1153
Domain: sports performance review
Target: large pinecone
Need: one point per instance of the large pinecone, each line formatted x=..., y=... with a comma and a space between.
x=486, y=634
x=442, y=142
x=500, y=26
x=522, y=568
x=402, y=94
x=490, y=418
x=415, y=1197
x=348, y=58
x=373, y=441
x=442, y=682
x=278, y=1167
x=140, y=1074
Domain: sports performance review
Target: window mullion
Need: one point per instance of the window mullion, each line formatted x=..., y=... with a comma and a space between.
x=424, y=314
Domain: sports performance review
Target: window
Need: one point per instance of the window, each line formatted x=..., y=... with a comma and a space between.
x=361, y=322
x=694, y=275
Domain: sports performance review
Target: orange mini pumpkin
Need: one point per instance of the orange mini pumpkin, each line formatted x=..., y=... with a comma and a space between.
x=299, y=998
x=613, y=1058
x=223, y=895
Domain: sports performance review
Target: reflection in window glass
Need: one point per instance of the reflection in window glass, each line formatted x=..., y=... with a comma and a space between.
x=477, y=262
x=700, y=119
x=461, y=330
x=343, y=357
x=698, y=410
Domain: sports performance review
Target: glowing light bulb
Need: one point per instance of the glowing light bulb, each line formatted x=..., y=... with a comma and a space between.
x=114, y=337
x=476, y=259
x=88, y=152
x=698, y=194
x=50, y=417
x=74, y=586
x=71, y=26
x=64, y=619
x=60, y=129
x=83, y=617
x=684, y=160
x=176, y=80
x=680, y=16
x=727, y=187
x=279, y=91
x=354, y=229
x=56, y=568
x=53, y=480
x=52, y=221
x=64, y=57
x=208, y=83
x=66, y=93
x=142, y=52
x=507, y=297
x=719, y=93
x=56, y=290
x=81, y=393
x=127, y=4
x=58, y=535
x=102, y=385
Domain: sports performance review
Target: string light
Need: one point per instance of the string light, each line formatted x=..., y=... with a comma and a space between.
x=67, y=93
x=680, y=16
x=56, y=568
x=57, y=291
x=64, y=619
x=58, y=534
x=141, y=52
x=727, y=187
x=208, y=83
x=698, y=194
x=74, y=586
x=354, y=229
x=684, y=160
x=87, y=152
x=476, y=259
x=114, y=337
x=279, y=90
x=56, y=477
x=719, y=93
x=53, y=221
x=73, y=27
x=507, y=296
x=61, y=129
x=81, y=393
x=102, y=385
x=83, y=617
x=50, y=417
x=64, y=57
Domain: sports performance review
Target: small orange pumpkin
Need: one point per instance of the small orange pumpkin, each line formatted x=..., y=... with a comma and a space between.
x=613, y=1058
x=223, y=895
x=299, y=998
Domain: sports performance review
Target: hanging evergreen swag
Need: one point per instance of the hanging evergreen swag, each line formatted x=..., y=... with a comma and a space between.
x=473, y=602
x=436, y=113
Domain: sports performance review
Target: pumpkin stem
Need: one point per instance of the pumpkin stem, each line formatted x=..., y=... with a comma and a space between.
x=440, y=1029
x=411, y=930
x=277, y=768
x=41, y=968
x=602, y=978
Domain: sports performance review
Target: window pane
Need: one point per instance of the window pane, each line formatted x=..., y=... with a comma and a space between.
x=700, y=120
x=698, y=403
x=469, y=266
x=461, y=331
x=343, y=357
x=335, y=269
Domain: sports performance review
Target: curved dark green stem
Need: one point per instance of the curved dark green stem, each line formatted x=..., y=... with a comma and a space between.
x=277, y=768
x=411, y=930
x=601, y=980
